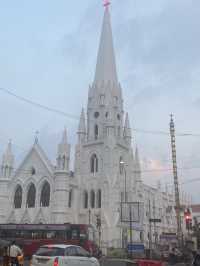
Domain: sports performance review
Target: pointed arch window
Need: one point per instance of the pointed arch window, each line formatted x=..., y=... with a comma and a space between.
x=45, y=195
x=102, y=99
x=94, y=164
x=99, y=198
x=18, y=197
x=119, y=131
x=59, y=161
x=96, y=132
x=92, y=199
x=115, y=100
x=63, y=162
x=30, y=202
x=70, y=198
x=85, y=199
x=33, y=171
x=6, y=170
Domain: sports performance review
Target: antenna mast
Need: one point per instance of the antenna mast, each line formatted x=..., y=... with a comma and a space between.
x=176, y=184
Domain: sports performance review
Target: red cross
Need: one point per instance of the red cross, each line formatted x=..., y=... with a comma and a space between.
x=106, y=3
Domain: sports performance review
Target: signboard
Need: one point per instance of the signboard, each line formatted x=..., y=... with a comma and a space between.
x=155, y=220
x=168, y=236
x=131, y=212
x=137, y=248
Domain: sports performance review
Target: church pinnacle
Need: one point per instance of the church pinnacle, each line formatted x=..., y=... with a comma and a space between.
x=82, y=128
x=127, y=129
x=106, y=65
x=8, y=161
x=63, y=157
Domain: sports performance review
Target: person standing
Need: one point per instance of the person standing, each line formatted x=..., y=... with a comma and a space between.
x=15, y=251
x=6, y=256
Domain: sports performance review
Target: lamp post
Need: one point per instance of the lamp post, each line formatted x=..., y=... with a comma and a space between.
x=122, y=164
x=130, y=210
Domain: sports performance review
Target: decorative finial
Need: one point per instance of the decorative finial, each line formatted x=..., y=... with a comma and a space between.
x=106, y=3
x=36, y=136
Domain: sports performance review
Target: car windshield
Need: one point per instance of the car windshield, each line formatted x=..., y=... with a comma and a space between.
x=50, y=251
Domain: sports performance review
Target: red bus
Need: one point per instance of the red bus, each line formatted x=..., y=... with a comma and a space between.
x=31, y=236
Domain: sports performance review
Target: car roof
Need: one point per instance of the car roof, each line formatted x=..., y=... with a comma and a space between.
x=58, y=246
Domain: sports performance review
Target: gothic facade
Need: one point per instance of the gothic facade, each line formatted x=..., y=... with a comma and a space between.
x=106, y=168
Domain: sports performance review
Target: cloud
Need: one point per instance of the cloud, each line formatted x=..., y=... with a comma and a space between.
x=157, y=51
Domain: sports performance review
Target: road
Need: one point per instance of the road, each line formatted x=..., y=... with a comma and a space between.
x=117, y=262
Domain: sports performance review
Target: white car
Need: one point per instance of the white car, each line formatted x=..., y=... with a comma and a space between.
x=63, y=255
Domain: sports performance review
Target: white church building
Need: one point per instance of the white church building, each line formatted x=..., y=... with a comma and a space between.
x=106, y=169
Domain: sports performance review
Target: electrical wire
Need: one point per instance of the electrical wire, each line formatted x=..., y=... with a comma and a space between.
x=50, y=109
x=71, y=116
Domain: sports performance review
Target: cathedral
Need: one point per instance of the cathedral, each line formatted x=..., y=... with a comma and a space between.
x=106, y=168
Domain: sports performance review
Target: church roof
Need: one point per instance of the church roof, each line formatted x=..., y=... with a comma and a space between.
x=37, y=149
x=106, y=65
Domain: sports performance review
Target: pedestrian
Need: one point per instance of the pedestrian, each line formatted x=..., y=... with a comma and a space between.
x=172, y=257
x=196, y=261
x=15, y=251
x=6, y=258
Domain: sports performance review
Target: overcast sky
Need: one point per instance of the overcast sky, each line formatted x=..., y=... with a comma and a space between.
x=48, y=54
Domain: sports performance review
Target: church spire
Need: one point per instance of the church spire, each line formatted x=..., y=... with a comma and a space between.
x=8, y=161
x=82, y=127
x=64, y=137
x=127, y=130
x=106, y=65
x=63, y=157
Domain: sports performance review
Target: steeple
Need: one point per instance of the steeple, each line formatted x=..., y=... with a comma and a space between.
x=105, y=104
x=127, y=130
x=106, y=65
x=82, y=128
x=63, y=157
x=64, y=137
x=8, y=161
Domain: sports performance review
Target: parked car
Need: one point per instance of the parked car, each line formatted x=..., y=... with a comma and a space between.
x=61, y=255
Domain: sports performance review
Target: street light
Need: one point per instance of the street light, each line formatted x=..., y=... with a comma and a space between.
x=122, y=164
x=130, y=210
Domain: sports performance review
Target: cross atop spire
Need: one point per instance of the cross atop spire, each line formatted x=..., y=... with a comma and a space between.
x=106, y=65
x=106, y=3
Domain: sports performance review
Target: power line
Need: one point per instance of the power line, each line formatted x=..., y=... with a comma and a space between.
x=169, y=169
x=190, y=181
x=185, y=182
x=71, y=116
x=50, y=109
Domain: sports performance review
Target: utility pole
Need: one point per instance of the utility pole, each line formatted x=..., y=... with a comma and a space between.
x=122, y=166
x=154, y=224
x=176, y=184
x=150, y=230
x=131, y=233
